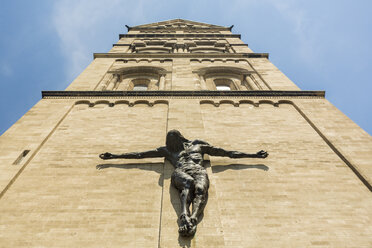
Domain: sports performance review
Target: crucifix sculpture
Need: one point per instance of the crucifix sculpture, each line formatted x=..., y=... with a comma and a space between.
x=189, y=176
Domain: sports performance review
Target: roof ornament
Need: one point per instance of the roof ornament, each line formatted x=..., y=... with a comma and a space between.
x=129, y=28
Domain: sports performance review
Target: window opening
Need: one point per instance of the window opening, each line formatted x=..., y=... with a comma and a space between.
x=140, y=87
x=21, y=157
x=223, y=87
x=223, y=84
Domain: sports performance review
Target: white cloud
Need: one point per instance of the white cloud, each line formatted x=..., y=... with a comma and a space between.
x=79, y=24
x=305, y=29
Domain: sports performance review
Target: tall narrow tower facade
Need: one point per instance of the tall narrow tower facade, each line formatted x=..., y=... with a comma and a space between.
x=313, y=190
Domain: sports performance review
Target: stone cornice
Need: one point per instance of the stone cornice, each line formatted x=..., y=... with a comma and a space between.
x=179, y=28
x=197, y=35
x=127, y=44
x=192, y=94
x=180, y=55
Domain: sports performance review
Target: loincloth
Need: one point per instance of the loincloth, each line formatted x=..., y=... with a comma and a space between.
x=197, y=172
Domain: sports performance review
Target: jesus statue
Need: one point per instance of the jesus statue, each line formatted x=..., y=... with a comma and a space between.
x=189, y=177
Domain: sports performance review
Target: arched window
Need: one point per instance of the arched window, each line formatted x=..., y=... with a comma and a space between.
x=137, y=78
x=214, y=77
x=207, y=50
x=153, y=50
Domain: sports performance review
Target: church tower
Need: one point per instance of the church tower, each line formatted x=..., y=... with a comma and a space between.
x=314, y=189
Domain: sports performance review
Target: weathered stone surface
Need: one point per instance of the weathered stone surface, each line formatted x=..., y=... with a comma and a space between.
x=61, y=199
x=303, y=195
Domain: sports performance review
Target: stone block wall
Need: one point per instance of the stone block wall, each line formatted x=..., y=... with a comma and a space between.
x=314, y=189
x=303, y=194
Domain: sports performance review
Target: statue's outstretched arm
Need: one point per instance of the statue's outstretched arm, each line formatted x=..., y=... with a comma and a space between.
x=215, y=151
x=157, y=153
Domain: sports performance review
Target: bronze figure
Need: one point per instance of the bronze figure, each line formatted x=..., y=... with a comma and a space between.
x=189, y=176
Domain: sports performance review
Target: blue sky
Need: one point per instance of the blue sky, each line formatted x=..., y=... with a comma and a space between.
x=320, y=45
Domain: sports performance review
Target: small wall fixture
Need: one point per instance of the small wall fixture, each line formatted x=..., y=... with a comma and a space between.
x=21, y=157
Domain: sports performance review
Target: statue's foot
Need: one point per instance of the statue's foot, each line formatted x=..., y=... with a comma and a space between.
x=186, y=227
x=194, y=220
x=193, y=223
x=191, y=231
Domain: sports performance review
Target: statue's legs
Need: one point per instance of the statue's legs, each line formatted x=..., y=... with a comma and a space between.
x=184, y=183
x=200, y=196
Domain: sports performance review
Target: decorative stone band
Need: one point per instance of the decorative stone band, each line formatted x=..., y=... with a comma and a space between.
x=181, y=55
x=255, y=93
x=128, y=44
x=198, y=35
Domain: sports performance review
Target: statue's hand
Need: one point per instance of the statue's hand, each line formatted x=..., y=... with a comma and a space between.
x=262, y=154
x=106, y=155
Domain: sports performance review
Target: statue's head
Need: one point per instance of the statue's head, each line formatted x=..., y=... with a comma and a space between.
x=175, y=140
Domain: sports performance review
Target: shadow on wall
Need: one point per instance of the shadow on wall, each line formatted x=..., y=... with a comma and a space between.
x=221, y=168
x=165, y=171
x=156, y=167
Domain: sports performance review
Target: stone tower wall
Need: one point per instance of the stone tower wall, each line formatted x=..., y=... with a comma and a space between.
x=314, y=190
